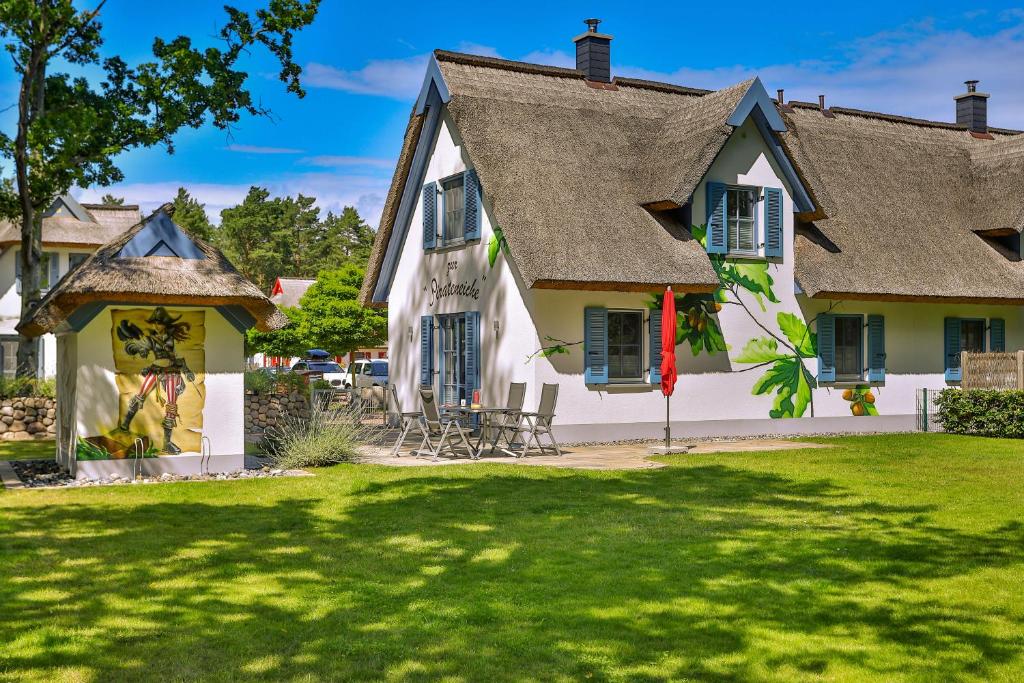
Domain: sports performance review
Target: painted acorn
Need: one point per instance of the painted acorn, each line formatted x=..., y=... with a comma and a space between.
x=857, y=409
x=869, y=397
x=848, y=395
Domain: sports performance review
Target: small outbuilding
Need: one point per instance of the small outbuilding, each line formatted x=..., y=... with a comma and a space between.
x=151, y=354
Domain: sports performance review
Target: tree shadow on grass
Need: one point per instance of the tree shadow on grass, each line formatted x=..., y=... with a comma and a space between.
x=709, y=572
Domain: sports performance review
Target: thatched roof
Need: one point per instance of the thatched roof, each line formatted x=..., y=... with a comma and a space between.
x=568, y=168
x=203, y=278
x=288, y=290
x=903, y=201
x=78, y=225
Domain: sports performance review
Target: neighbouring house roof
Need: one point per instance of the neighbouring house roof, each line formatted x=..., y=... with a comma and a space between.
x=288, y=290
x=70, y=224
x=888, y=206
x=179, y=269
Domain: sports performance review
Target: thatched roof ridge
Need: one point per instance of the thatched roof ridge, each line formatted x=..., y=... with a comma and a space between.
x=107, y=277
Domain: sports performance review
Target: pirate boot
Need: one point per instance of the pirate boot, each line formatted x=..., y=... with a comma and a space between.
x=170, y=420
x=133, y=407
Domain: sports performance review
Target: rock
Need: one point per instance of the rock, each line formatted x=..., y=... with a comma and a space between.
x=19, y=414
x=30, y=412
x=17, y=426
x=46, y=421
x=20, y=436
x=18, y=404
x=7, y=420
x=7, y=410
x=51, y=413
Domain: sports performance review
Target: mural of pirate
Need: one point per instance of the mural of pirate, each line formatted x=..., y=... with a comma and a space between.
x=168, y=371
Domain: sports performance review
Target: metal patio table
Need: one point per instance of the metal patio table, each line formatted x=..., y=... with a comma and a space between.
x=486, y=423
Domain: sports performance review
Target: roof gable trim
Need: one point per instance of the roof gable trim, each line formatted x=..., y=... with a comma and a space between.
x=802, y=202
x=433, y=103
x=436, y=78
x=757, y=96
x=160, y=236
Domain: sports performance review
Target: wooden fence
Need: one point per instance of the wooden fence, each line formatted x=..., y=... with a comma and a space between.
x=992, y=370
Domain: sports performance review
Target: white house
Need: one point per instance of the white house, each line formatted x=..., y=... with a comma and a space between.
x=827, y=263
x=71, y=232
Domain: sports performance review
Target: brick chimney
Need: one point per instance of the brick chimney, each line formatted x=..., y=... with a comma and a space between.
x=593, y=53
x=972, y=108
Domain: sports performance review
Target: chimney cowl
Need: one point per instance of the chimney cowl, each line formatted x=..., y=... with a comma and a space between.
x=972, y=108
x=593, y=53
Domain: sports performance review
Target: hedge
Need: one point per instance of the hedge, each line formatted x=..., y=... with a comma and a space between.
x=982, y=412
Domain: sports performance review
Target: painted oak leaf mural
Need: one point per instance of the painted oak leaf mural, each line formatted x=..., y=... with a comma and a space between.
x=785, y=373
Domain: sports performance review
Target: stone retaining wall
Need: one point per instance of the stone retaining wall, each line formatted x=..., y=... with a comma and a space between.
x=263, y=411
x=22, y=419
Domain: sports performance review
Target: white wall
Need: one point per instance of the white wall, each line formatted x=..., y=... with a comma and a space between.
x=503, y=353
x=10, y=299
x=223, y=411
x=715, y=387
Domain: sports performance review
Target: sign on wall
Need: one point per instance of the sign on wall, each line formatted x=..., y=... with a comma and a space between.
x=160, y=368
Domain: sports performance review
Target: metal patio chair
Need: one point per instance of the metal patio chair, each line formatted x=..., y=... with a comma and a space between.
x=540, y=422
x=507, y=423
x=406, y=420
x=439, y=427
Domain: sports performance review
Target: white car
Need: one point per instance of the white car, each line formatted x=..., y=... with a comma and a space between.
x=368, y=373
x=331, y=372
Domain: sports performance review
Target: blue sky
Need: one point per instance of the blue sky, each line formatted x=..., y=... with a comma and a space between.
x=364, y=63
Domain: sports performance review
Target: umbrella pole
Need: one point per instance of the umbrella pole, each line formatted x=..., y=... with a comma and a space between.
x=668, y=425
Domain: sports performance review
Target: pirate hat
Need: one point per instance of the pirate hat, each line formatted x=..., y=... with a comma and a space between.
x=160, y=316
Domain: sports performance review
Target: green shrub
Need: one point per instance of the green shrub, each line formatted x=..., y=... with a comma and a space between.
x=258, y=382
x=15, y=387
x=290, y=382
x=327, y=437
x=982, y=412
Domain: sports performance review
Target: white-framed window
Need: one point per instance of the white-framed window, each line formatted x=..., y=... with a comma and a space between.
x=741, y=219
x=8, y=357
x=49, y=270
x=453, y=203
x=625, y=346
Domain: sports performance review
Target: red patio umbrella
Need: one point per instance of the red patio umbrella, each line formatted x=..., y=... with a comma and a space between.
x=668, y=355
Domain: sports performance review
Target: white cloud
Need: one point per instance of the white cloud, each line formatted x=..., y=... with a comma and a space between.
x=259, y=149
x=478, y=49
x=329, y=160
x=915, y=71
x=551, y=58
x=397, y=78
x=332, y=191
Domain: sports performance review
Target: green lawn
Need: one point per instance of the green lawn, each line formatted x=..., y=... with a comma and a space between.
x=887, y=558
x=27, y=450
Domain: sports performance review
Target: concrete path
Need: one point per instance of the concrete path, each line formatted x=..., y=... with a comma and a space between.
x=596, y=457
x=8, y=479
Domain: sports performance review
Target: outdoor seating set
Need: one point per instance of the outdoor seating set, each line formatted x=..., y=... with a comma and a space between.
x=477, y=429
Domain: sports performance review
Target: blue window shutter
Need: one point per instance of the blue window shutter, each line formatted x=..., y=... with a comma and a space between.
x=876, y=348
x=654, y=327
x=716, y=225
x=773, y=221
x=430, y=215
x=17, y=271
x=826, y=348
x=595, y=345
x=471, y=192
x=472, y=352
x=54, y=260
x=997, y=335
x=951, y=344
x=427, y=351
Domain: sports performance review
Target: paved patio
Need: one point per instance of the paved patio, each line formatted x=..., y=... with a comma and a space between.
x=633, y=456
